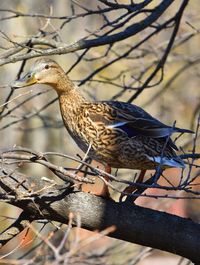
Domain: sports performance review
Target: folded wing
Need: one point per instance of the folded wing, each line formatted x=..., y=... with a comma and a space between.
x=132, y=120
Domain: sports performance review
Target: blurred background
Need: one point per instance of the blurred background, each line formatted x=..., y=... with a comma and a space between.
x=30, y=119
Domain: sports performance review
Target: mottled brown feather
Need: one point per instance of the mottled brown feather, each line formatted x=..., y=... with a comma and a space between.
x=119, y=134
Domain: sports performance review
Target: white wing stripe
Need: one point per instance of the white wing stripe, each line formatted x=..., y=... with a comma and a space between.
x=117, y=124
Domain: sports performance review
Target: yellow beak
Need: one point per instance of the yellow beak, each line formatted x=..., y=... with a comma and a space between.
x=27, y=80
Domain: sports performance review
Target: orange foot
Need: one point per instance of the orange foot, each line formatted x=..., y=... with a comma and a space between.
x=131, y=189
x=105, y=191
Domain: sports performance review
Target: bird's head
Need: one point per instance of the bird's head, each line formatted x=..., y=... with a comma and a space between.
x=44, y=71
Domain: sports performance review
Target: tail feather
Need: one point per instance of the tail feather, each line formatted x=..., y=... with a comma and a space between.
x=169, y=162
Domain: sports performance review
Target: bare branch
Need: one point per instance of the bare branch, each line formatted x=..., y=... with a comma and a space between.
x=134, y=224
x=14, y=229
x=103, y=40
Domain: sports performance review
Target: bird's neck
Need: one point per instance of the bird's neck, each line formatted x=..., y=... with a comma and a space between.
x=68, y=93
x=70, y=101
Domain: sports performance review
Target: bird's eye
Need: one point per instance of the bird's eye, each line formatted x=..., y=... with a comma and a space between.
x=46, y=66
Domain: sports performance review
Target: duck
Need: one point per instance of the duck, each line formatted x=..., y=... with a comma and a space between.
x=116, y=134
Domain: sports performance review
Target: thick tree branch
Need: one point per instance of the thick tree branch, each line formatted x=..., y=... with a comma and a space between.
x=133, y=223
x=45, y=199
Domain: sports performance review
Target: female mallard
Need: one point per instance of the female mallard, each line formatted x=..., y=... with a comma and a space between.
x=118, y=134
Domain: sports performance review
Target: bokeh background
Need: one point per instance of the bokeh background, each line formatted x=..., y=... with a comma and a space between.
x=176, y=98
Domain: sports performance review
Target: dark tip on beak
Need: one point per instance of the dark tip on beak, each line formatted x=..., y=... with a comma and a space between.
x=28, y=80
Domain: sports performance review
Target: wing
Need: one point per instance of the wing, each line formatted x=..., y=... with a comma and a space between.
x=131, y=119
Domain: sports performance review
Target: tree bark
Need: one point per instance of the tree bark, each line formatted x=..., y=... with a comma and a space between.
x=133, y=223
